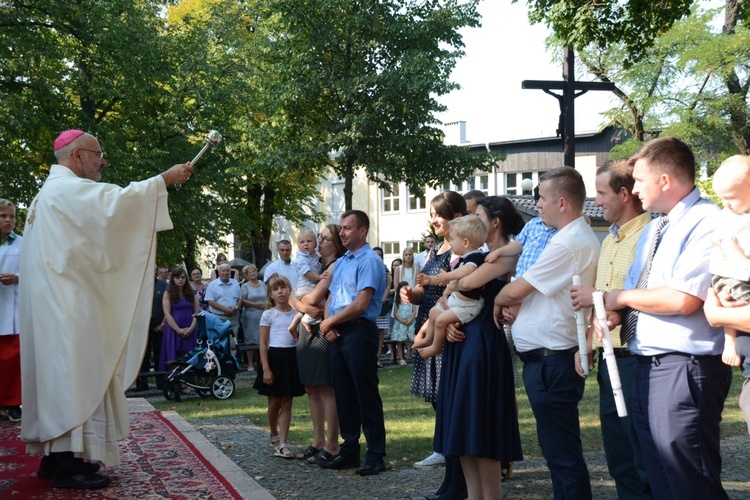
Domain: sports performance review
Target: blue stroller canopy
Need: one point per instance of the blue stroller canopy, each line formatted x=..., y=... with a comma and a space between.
x=213, y=330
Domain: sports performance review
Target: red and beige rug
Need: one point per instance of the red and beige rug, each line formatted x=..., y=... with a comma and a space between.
x=156, y=461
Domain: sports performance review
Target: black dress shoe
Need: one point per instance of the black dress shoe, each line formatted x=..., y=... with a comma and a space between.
x=49, y=464
x=81, y=482
x=446, y=496
x=340, y=462
x=371, y=469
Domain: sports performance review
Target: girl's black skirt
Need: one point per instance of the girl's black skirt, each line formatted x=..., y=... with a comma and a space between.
x=283, y=362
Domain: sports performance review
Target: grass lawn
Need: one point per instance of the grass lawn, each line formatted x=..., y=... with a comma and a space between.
x=410, y=420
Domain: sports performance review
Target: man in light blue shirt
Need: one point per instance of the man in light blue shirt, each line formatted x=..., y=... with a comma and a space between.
x=224, y=297
x=354, y=303
x=681, y=382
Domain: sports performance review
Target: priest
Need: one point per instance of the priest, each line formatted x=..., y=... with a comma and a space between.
x=85, y=300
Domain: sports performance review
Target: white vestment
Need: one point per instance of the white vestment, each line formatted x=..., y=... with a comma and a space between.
x=85, y=300
x=10, y=256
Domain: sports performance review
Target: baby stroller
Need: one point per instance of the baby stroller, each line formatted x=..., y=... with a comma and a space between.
x=210, y=367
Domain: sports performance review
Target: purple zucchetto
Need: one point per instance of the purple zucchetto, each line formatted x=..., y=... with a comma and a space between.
x=66, y=138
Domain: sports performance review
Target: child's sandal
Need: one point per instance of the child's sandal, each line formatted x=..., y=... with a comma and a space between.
x=283, y=451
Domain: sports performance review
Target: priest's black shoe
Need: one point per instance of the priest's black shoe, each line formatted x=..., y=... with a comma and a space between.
x=81, y=481
x=49, y=464
x=371, y=469
x=340, y=462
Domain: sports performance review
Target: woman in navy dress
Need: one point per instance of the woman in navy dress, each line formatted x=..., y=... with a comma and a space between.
x=476, y=415
x=426, y=378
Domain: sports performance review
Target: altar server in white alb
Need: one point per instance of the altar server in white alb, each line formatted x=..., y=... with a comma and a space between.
x=87, y=260
x=10, y=356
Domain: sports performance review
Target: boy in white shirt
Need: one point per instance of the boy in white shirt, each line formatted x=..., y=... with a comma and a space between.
x=308, y=267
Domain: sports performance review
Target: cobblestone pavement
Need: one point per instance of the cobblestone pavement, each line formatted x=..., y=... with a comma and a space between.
x=247, y=445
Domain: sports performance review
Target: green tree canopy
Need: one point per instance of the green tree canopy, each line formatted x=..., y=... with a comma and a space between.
x=352, y=84
x=635, y=24
x=692, y=82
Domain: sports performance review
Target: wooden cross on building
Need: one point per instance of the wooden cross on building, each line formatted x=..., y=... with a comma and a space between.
x=568, y=86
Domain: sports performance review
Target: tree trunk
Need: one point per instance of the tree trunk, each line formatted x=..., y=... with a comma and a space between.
x=348, y=182
x=260, y=209
x=190, y=251
x=738, y=115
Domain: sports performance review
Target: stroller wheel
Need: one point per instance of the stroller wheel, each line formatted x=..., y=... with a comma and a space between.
x=177, y=390
x=169, y=392
x=222, y=387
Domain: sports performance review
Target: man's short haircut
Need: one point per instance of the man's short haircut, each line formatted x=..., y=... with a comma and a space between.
x=620, y=176
x=474, y=194
x=306, y=232
x=283, y=242
x=362, y=219
x=375, y=249
x=430, y=236
x=6, y=204
x=567, y=183
x=668, y=155
x=449, y=203
x=225, y=266
x=470, y=227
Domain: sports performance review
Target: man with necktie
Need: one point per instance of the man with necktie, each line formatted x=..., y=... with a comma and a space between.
x=681, y=382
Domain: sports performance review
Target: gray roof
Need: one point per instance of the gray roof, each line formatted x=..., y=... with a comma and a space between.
x=526, y=206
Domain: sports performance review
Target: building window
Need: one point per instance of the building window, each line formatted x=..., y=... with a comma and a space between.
x=480, y=182
x=484, y=183
x=511, y=183
x=338, y=201
x=391, y=199
x=391, y=248
x=514, y=182
x=417, y=200
x=416, y=245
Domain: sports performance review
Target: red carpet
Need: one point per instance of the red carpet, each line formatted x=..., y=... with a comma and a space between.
x=156, y=461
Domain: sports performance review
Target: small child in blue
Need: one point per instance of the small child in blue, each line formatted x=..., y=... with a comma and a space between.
x=308, y=267
x=403, y=326
x=467, y=234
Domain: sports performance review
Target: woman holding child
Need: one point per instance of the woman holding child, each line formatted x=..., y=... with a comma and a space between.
x=476, y=414
x=444, y=207
x=313, y=355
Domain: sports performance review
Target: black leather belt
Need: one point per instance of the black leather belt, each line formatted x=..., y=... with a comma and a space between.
x=671, y=357
x=355, y=321
x=538, y=354
x=620, y=352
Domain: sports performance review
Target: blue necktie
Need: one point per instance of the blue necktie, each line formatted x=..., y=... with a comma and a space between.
x=630, y=320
